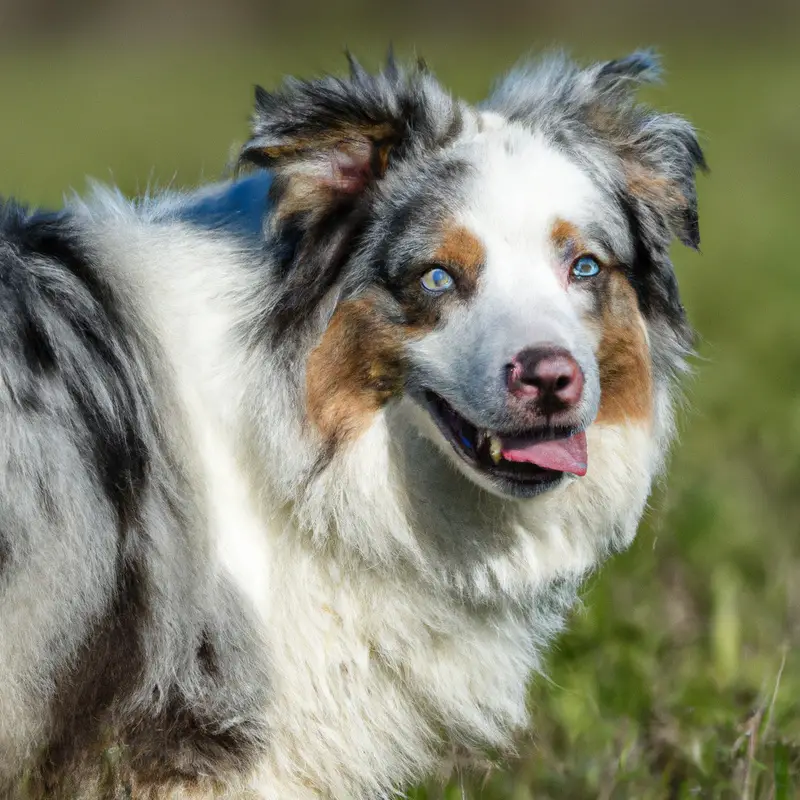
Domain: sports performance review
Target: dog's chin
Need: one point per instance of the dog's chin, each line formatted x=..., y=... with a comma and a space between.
x=472, y=450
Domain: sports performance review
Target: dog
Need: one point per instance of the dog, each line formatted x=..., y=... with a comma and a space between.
x=301, y=472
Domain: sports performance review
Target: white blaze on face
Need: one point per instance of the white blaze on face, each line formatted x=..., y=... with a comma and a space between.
x=524, y=186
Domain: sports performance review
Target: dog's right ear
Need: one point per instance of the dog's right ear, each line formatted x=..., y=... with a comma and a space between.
x=331, y=138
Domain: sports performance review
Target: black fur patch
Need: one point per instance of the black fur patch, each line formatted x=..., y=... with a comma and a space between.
x=310, y=257
x=109, y=669
x=653, y=278
x=39, y=354
x=5, y=553
x=47, y=283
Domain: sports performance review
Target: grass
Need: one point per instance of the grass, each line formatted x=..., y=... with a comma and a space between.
x=680, y=675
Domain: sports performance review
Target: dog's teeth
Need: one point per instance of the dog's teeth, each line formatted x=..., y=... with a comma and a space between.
x=495, y=448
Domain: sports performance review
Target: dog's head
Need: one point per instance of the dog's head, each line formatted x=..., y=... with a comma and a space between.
x=500, y=274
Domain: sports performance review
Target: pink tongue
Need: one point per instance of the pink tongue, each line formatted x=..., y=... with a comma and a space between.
x=562, y=455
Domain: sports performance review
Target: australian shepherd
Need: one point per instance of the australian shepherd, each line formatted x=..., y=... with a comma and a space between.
x=300, y=473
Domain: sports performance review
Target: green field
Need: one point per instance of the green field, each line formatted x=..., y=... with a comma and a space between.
x=680, y=676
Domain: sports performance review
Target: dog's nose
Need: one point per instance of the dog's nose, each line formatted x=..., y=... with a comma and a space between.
x=549, y=375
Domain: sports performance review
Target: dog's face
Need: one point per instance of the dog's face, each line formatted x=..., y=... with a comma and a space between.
x=500, y=275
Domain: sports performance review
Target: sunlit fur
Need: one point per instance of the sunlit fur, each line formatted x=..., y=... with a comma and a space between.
x=247, y=599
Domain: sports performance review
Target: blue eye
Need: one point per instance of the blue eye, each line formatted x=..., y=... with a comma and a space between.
x=437, y=281
x=585, y=267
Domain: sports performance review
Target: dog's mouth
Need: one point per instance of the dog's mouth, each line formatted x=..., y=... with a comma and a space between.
x=521, y=464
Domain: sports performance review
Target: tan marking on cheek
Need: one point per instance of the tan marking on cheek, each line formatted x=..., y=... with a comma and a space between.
x=356, y=368
x=626, y=381
x=460, y=248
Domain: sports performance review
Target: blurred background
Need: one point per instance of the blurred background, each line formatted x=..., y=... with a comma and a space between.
x=680, y=676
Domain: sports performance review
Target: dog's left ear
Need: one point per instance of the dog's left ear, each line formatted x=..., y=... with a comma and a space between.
x=660, y=153
x=331, y=138
x=596, y=107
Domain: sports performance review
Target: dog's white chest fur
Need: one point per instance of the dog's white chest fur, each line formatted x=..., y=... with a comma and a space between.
x=381, y=675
